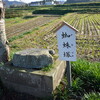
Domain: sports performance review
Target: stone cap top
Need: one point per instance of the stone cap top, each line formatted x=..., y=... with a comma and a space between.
x=33, y=51
x=33, y=58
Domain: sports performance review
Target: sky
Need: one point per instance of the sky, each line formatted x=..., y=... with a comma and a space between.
x=28, y=1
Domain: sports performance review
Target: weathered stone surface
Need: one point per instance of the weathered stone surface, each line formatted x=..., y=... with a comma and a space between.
x=4, y=49
x=32, y=58
x=31, y=81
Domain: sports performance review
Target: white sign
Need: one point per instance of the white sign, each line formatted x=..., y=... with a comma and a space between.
x=66, y=42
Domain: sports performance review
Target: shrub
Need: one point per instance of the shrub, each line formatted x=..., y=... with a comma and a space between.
x=91, y=96
x=88, y=74
x=61, y=93
x=77, y=88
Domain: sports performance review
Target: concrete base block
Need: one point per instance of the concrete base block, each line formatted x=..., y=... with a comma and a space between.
x=31, y=81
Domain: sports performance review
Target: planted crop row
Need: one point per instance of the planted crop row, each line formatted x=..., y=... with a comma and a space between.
x=88, y=40
x=27, y=26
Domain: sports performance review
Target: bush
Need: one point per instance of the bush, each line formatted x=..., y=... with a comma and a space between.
x=91, y=96
x=53, y=11
x=77, y=88
x=61, y=93
x=86, y=75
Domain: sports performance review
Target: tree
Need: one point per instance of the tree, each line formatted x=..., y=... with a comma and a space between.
x=4, y=48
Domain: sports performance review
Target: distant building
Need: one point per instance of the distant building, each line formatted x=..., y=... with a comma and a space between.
x=44, y=2
x=50, y=2
x=37, y=3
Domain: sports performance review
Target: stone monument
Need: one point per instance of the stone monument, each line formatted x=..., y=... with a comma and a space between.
x=33, y=58
x=4, y=49
x=21, y=74
x=28, y=79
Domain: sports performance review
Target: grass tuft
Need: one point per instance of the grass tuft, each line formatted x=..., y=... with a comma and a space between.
x=91, y=96
x=86, y=76
x=48, y=68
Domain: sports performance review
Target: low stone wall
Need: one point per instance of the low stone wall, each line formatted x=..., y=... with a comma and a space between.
x=31, y=81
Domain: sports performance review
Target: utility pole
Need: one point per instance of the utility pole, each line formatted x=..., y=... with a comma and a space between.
x=4, y=48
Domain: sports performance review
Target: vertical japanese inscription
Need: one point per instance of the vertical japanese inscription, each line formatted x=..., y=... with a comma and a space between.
x=67, y=45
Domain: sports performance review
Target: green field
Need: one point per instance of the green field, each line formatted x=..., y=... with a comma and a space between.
x=88, y=37
x=27, y=30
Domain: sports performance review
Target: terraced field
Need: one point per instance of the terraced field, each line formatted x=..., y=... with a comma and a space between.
x=88, y=37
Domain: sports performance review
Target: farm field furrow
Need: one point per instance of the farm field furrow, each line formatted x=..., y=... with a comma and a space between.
x=27, y=26
x=18, y=20
x=88, y=39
